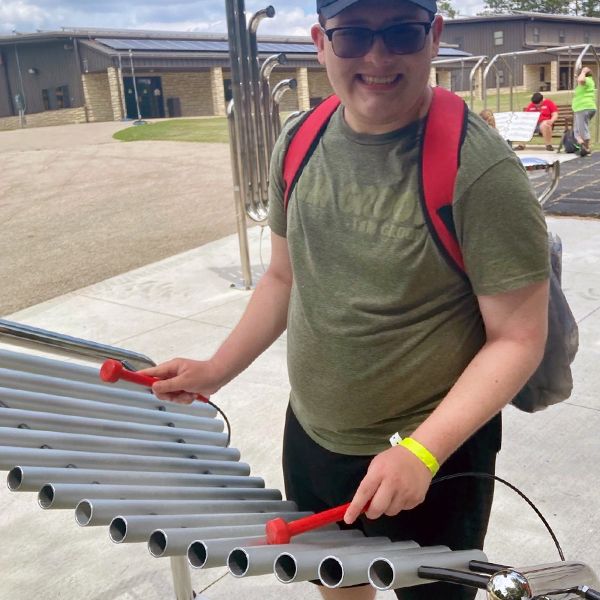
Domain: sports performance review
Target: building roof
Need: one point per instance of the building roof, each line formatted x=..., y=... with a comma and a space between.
x=174, y=43
x=523, y=16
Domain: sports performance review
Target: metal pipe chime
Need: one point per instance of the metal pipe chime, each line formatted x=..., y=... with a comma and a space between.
x=249, y=114
x=189, y=499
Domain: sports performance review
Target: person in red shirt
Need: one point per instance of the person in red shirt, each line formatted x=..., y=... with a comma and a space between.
x=548, y=115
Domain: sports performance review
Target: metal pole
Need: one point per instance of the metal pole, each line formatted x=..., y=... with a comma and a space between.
x=137, y=100
x=182, y=578
x=238, y=197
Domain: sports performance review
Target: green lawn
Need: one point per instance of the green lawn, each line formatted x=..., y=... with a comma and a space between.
x=209, y=129
x=520, y=100
x=214, y=129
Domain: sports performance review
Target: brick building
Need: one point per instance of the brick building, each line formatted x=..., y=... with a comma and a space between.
x=80, y=75
x=516, y=36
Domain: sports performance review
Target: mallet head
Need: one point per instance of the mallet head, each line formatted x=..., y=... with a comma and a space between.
x=111, y=371
x=277, y=531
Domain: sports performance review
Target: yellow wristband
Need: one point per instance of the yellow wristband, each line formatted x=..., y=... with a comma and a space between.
x=428, y=459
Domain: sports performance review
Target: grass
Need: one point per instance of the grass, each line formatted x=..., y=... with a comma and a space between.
x=520, y=100
x=214, y=129
x=204, y=129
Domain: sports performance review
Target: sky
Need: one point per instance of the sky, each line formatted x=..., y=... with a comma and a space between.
x=293, y=17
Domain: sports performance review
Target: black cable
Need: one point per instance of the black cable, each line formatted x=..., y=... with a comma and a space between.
x=515, y=489
x=222, y=413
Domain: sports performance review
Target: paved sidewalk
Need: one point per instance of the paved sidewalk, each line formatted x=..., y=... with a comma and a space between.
x=78, y=207
x=184, y=305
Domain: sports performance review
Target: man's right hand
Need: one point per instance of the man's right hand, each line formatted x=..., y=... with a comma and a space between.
x=183, y=378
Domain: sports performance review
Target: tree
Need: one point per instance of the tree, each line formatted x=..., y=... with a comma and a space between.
x=551, y=7
x=445, y=8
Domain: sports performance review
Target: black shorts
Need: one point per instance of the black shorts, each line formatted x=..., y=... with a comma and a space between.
x=455, y=513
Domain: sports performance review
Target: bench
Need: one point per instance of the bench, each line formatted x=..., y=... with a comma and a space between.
x=565, y=115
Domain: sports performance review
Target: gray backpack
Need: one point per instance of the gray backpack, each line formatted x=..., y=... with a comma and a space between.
x=552, y=382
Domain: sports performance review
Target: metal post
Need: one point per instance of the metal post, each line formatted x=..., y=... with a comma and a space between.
x=182, y=579
x=137, y=100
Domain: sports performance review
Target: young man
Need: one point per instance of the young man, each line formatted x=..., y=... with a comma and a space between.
x=548, y=115
x=383, y=335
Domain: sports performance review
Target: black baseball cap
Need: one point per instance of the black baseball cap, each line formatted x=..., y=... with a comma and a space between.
x=330, y=8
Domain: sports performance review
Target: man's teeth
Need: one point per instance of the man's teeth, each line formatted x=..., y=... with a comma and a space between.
x=379, y=80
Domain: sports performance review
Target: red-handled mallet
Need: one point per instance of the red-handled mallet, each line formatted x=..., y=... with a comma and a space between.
x=112, y=370
x=280, y=532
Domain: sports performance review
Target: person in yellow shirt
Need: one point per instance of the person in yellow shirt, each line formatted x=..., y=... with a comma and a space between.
x=584, y=108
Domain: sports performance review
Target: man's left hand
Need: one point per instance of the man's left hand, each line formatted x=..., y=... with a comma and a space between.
x=396, y=480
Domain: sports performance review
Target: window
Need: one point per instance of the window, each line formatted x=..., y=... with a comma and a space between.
x=536, y=34
x=498, y=38
x=561, y=36
x=46, y=99
x=63, y=99
x=543, y=74
x=228, y=89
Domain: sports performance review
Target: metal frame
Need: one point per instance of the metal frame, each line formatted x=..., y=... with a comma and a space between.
x=558, y=50
x=480, y=61
x=252, y=127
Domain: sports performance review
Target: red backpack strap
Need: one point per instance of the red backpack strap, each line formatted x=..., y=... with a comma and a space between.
x=444, y=133
x=304, y=141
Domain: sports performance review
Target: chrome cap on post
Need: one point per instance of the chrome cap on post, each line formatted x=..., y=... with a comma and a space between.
x=508, y=585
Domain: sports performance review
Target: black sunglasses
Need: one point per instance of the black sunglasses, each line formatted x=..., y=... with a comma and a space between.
x=355, y=42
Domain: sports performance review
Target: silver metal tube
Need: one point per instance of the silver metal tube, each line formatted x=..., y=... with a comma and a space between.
x=349, y=566
x=245, y=562
x=279, y=90
x=137, y=528
x=259, y=155
x=238, y=55
x=98, y=393
x=239, y=197
x=68, y=495
x=14, y=417
x=175, y=542
x=215, y=553
x=397, y=572
x=91, y=512
x=17, y=361
x=541, y=580
x=26, y=438
x=34, y=401
x=293, y=566
x=38, y=457
x=71, y=345
x=267, y=102
x=31, y=479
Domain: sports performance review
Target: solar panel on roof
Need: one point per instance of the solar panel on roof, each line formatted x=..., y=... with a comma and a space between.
x=223, y=46
x=166, y=45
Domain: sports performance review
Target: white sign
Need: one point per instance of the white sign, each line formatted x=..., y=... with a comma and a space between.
x=516, y=126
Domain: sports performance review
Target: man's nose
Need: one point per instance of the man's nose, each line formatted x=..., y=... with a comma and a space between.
x=379, y=51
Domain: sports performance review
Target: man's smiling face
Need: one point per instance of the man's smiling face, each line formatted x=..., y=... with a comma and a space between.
x=381, y=91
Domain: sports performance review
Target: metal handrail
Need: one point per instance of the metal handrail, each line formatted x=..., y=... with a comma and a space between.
x=71, y=345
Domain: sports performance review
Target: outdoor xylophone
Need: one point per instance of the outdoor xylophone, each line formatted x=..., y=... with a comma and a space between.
x=161, y=474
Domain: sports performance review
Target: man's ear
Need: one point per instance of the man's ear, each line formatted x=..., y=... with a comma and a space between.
x=318, y=37
x=436, y=34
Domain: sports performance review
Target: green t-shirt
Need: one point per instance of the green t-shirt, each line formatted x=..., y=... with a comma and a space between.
x=379, y=326
x=584, y=97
